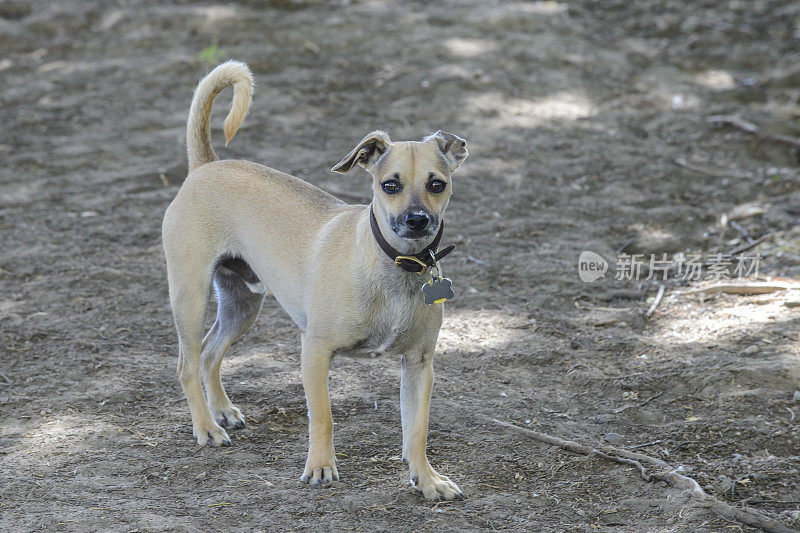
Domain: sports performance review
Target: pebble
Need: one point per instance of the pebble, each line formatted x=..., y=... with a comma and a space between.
x=614, y=438
x=751, y=350
x=796, y=396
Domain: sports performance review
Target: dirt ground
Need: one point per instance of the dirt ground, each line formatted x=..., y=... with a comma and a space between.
x=587, y=128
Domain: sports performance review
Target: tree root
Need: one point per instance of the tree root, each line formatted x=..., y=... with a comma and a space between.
x=669, y=475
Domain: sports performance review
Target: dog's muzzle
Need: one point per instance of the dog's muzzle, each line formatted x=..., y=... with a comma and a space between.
x=417, y=263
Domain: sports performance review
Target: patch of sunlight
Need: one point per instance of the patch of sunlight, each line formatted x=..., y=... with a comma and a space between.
x=709, y=322
x=472, y=330
x=9, y=308
x=52, y=434
x=715, y=79
x=540, y=8
x=261, y=357
x=469, y=47
x=528, y=113
x=216, y=13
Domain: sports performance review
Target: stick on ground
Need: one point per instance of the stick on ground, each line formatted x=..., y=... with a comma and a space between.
x=709, y=171
x=752, y=129
x=746, y=234
x=748, y=246
x=745, y=288
x=655, y=303
x=669, y=475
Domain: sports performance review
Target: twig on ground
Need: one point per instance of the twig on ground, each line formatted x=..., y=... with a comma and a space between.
x=747, y=288
x=5, y=378
x=749, y=127
x=716, y=173
x=672, y=477
x=657, y=301
x=650, y=399
x=748, y=246
x=746, y=234
x=646, y=444
x=625, y=245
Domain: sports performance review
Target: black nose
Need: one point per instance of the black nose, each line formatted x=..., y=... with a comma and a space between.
x=417, y=221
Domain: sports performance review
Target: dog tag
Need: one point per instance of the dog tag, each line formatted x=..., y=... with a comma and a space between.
x=438, y=290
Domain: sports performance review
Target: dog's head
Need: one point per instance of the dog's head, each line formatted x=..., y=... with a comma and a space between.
x=411, y=181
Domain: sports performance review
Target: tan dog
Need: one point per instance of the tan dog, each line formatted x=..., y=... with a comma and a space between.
x=245, y=228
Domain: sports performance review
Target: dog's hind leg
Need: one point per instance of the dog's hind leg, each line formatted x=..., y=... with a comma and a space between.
x=240, y=295
x=189, y=290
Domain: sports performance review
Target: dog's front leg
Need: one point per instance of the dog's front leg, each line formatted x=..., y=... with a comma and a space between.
x=415, y=396
x=315, y=362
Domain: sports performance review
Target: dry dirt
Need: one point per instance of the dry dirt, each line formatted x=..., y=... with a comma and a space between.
x=587, y=130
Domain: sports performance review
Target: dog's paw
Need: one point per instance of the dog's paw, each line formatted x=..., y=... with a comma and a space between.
x=320, y=471
x=435, y=486
x=211, y=436
x=229, y=417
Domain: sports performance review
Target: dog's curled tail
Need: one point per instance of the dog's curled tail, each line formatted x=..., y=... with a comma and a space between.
x=198, y=128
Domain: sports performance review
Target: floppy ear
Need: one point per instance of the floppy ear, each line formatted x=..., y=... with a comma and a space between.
x=365, y=153
x=452, y=147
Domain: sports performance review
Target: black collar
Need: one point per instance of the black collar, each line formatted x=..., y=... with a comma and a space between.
x=417, y=263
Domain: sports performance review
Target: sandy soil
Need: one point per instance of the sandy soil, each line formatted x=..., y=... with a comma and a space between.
x=587, y=129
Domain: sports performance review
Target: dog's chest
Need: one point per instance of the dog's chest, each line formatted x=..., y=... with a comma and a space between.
x=393, y=314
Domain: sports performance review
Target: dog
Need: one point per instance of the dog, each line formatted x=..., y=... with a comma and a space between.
x=245, y=229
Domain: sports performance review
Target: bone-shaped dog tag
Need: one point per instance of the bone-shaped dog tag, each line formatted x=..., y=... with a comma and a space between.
x=438, y=290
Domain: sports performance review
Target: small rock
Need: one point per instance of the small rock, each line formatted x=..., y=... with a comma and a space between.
x=751, y=350
x=312, y=47
x=614, y=438
x=605, y=418
x=796, y=396
x=201, y=475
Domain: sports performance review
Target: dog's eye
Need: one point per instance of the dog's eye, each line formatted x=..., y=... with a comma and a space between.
x=436, y=186
x=391, y=186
